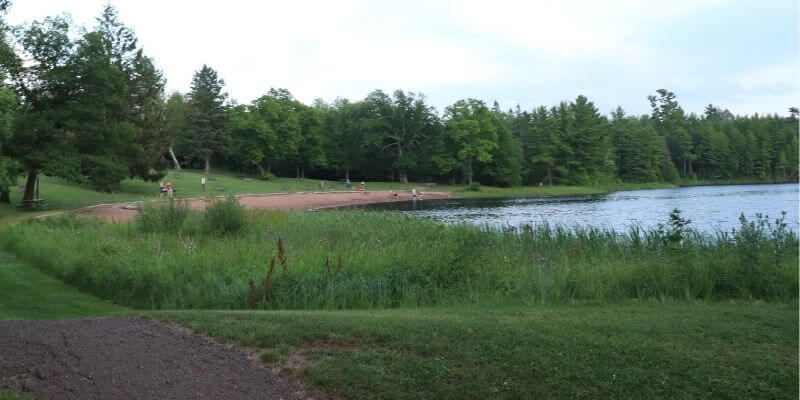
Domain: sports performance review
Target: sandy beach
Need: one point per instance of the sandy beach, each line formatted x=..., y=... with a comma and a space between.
x=277, y=201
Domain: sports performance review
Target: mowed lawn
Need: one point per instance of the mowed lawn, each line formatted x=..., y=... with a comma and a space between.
x=624, y=350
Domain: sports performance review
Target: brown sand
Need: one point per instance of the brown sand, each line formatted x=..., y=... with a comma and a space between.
x=276, y=201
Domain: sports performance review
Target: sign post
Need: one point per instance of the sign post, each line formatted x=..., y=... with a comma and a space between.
x=203, y=182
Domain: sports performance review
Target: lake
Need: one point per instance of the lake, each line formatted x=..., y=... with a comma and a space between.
x=710, y=208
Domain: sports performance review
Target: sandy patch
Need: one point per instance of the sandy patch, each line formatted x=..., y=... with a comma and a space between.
x=277, y=201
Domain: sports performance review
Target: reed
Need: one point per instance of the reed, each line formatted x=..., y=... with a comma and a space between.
x=360, y=259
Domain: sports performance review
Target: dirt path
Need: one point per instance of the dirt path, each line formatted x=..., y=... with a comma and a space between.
x=279, y=201
x=122, y=358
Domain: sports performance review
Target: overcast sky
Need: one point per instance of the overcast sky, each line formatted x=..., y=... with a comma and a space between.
x=741, y=55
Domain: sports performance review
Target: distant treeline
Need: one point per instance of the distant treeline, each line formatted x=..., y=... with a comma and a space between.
x=89, y=106
x=400, y=137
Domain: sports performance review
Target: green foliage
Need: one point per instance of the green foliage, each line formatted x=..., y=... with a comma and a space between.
x=674, y=232
x=161, y=216
x=224, y=217
x=391, y=261
x=474, y=187
x=207, y=118
x=9, y=173
x=472, y=129
x=90, y=105
x=267, y=176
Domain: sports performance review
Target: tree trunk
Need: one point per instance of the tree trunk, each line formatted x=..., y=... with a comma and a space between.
x=30, y=186
x=549, y=176
x=174, y=160
x=402, y=172
x=5, y=197
x=208, y=165
x=261, y=170
x=269, y=167
x=468, y=172
x=347, y=173
x=303, y=172
x=297, y=171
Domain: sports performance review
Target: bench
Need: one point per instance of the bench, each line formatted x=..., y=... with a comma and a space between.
x=33, y=204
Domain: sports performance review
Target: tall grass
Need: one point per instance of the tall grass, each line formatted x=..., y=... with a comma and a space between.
x=338, y=260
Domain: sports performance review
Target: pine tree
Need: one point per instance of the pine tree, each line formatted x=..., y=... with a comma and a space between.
x=207, y=121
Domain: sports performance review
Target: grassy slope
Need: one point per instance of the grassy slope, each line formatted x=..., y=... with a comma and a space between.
x=649, y=350
x=26, y=293
x=636, y=350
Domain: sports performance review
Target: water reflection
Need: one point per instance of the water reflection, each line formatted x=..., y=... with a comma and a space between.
x=709, y=207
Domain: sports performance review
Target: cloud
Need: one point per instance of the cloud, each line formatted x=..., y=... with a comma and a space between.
x=533, y=52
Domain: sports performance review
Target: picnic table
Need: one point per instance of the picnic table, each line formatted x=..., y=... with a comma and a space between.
x=33, y=204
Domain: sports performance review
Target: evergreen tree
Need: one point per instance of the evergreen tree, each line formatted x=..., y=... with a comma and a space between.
x=591, y=152
x=669, y=120
x=637, y=147
x=543, y=148
x=207, y=119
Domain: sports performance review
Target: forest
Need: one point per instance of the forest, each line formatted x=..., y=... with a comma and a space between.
x=87, y=105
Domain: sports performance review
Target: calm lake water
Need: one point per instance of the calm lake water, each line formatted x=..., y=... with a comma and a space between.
x=709, y=207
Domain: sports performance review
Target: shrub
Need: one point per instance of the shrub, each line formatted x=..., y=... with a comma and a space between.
x=162, y=217
x=225, y=217
x=267, y=176
x=474, y=187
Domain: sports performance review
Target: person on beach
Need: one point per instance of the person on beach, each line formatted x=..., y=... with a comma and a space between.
x=362, y=187
x=162, y=189
x=170, y=189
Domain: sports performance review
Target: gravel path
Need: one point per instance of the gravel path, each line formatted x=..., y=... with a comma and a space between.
x=123, y=358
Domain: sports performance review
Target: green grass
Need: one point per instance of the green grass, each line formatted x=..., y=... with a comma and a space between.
x=629, y=349
x=27, y=293
x=392, y=261
x=638, y=350
x=8, y=395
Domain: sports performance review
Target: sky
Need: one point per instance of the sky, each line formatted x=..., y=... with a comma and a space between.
x=743, y=55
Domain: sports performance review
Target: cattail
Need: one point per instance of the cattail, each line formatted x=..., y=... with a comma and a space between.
x=282, y=258
x=268, y=281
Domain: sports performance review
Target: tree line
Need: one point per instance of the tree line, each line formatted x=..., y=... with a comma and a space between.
x=89, y=106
